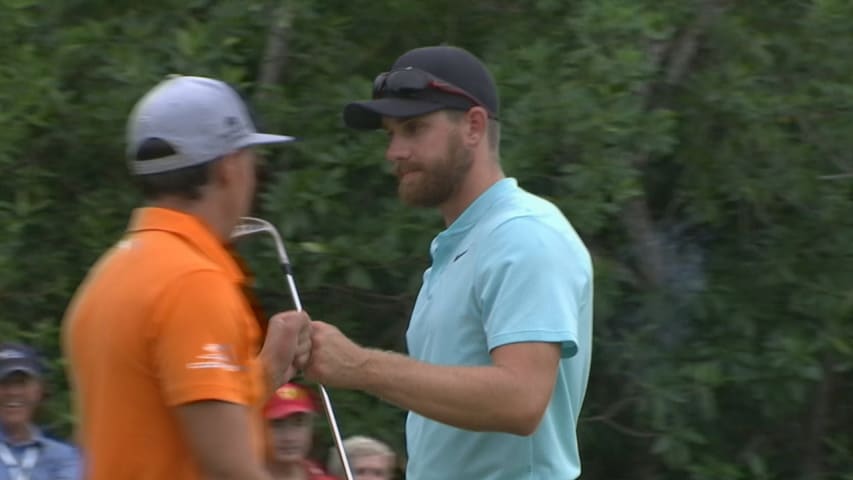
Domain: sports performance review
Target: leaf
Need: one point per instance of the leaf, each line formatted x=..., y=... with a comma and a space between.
x=359, y=278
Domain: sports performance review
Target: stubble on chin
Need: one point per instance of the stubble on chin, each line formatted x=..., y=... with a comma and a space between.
x=433, y=186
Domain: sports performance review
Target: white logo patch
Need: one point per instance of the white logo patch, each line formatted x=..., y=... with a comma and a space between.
x=215, y=356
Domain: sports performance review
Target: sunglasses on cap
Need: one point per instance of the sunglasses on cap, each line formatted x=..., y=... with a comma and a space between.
x=410, y=81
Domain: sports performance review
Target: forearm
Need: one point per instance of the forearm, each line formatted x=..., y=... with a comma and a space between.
x=219, y=437
x=509, y=395
x=481, y=398
x=274, y=376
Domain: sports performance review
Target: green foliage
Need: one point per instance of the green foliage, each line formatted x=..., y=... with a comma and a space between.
x=724, y=347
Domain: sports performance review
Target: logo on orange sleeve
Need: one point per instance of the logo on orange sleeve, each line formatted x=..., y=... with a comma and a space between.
x=215, y=356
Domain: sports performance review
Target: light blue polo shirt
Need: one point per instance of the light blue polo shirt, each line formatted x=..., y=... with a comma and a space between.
x=55, y=460
x=510, y=269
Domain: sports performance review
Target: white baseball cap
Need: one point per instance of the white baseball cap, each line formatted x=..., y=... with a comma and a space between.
x=200, y=118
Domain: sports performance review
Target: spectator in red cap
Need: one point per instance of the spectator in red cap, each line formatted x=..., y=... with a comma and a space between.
x=290, y=419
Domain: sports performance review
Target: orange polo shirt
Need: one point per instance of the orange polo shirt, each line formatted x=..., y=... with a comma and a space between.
x=159, y=321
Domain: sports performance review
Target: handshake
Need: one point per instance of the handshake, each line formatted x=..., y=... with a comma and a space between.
x=294, y=342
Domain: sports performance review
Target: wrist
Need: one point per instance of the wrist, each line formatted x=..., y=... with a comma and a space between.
x=369, y=371
x=274, y=375
x=266, y=367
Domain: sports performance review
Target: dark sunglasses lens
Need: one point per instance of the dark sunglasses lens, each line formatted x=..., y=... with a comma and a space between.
x=404, y=82
x=379, y=84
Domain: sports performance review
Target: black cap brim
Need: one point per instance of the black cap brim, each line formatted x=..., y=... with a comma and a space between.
x=367, y=115
x=29, y=370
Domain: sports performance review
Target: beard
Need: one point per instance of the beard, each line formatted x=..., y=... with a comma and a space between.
x=432, y=185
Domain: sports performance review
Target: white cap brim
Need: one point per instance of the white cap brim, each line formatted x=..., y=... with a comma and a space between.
x=264, y=139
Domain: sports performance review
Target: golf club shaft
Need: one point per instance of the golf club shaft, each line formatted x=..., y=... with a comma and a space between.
x=327, y=402
x=251, y=226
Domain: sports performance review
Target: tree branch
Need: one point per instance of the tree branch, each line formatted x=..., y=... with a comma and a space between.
x=685, y=47
x=607, y=418
x=631, y=432
x=818, y=423
x=274, y=58
x=673, y=60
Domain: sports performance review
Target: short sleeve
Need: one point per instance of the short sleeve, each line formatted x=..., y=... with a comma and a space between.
x=203, y=346
x=532, y=283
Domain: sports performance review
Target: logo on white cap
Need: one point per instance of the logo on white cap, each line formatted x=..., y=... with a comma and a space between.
x=10, y=354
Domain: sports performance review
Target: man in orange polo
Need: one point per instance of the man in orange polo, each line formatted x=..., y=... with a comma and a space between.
x=165, y=354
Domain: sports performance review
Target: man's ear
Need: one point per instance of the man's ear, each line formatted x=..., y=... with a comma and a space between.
x=222, y=171
x=477, y=126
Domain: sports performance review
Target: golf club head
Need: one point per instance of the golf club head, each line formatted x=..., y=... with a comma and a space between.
x=253, y=225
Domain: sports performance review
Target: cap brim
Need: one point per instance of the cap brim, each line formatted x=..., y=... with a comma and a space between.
x=287, y=410
x=367, y=115
x=19, y=368
x=265, y=139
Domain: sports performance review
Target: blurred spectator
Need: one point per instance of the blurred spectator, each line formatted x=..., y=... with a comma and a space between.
x=290, y=417
x=25, y=453
x=369, y=459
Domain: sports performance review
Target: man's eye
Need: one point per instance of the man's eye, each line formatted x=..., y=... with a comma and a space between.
x=411, y=127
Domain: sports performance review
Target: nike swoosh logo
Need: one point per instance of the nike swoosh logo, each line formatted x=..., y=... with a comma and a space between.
x=460, y=255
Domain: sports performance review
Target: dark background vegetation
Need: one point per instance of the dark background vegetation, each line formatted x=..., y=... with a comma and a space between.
x=702, y=149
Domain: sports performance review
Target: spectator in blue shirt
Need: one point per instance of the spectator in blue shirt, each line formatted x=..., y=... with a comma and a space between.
x=25, y=453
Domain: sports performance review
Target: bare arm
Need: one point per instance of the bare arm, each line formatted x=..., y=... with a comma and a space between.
x=510, y=395
x=219, y=437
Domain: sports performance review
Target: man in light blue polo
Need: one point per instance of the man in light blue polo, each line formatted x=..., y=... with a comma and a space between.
x=501, y=334
x=25, y=453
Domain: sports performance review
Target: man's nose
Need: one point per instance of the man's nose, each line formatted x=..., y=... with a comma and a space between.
x=397, y=149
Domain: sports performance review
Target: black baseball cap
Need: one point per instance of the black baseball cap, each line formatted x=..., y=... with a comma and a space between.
x=453, y=65
x=19, y=358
